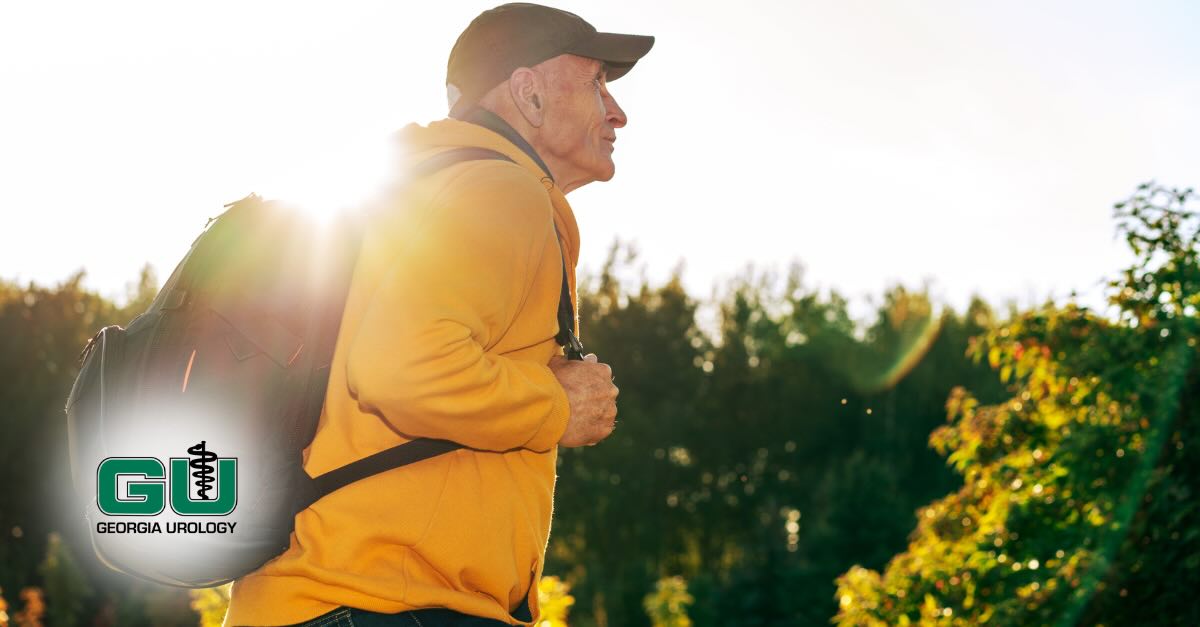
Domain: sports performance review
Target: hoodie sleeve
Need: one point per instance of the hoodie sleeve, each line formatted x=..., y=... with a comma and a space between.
x=421, y=359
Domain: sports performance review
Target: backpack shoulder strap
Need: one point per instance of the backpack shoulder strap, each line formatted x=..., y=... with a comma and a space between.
x=400, y=455
x=572, y=347
x=566, y=338
x=447, y=158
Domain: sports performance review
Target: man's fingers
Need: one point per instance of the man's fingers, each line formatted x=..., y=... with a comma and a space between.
x=591, y=357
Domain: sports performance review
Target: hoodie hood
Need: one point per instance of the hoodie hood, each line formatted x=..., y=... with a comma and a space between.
x=418, y=143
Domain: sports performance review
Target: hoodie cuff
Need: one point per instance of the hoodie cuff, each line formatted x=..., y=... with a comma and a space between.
x=555, y=424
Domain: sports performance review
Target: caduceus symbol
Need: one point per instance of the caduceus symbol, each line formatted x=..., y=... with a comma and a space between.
x=202, y=468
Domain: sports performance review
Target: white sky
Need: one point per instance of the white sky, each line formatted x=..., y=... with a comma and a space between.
x=976, y=146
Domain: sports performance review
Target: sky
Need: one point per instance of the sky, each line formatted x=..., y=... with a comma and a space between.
x=971, y=147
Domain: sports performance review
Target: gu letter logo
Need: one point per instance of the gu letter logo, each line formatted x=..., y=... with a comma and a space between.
x=146, y=489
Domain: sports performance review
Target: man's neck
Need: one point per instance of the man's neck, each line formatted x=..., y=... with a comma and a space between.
x=498, y=125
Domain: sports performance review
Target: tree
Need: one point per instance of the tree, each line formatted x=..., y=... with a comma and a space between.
x=1077, y=502
x=67, y=589
x=746, y=454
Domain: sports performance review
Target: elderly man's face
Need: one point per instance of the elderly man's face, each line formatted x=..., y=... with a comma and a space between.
x=581, y=120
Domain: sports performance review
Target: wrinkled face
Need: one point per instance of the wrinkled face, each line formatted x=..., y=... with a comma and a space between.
x=582, y=119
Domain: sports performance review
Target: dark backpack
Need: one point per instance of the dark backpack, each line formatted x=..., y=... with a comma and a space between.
x=224, y=376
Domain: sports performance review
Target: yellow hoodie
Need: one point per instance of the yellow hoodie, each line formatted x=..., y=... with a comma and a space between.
x=447, y=333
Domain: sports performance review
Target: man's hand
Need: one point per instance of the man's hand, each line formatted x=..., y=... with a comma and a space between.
x=593, y=399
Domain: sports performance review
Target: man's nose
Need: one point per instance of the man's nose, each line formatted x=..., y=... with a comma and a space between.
x=613, y=113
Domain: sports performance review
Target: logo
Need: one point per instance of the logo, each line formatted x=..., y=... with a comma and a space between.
x=144, y=486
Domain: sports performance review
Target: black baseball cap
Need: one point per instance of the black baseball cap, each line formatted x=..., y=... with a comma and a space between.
x=521, y=34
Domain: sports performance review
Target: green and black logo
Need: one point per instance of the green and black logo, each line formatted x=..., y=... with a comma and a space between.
x=150, y=487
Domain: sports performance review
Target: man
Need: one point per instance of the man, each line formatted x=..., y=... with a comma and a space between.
x=449, y=332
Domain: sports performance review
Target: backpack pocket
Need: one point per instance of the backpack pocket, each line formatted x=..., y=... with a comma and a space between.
x=93, y=396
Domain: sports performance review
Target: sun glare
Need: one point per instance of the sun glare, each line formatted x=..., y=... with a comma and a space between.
x=335, y=180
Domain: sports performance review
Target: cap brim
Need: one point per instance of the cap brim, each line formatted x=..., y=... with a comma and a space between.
x=619, y=52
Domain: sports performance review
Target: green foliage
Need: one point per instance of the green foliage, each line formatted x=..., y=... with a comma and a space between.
x=758, y=460
x=1077, y=501
x=667, y=605
x=743, y=457
x=211, y=604
x=43, y=330
x=67, y=589
x=759, y=455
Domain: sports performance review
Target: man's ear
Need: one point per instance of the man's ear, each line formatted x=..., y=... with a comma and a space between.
x=529, y=95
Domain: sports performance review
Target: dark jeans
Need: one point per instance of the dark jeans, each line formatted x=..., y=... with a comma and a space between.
x=432, y=617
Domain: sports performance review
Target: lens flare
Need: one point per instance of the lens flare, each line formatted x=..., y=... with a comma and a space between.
x=335, y=180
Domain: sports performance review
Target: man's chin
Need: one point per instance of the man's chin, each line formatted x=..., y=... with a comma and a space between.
x=601, y=172
x=606, y=171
